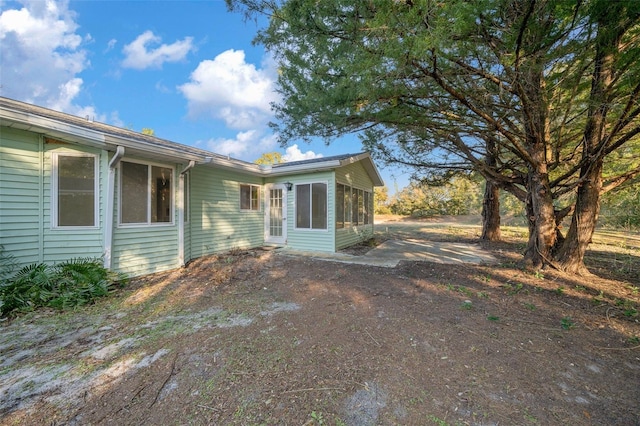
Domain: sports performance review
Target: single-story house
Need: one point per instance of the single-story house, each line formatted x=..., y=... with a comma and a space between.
x=71, y=187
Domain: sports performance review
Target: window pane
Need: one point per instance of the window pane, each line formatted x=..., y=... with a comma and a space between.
x=319, y=206
x=255, y=198
x=360, y=207
x=160, y=194
x=354, y=206
x=339, y=206
x=249, y=197
x=76, y=191
x=370, y=211
x=366, y=208
x=245, y=197
x=276, y=203
x=302, y=206
x=347, y=205
x=134, y=195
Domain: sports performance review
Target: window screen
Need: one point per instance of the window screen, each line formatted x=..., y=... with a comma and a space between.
x=76, y=195
x=311, y=206
x=146, y=193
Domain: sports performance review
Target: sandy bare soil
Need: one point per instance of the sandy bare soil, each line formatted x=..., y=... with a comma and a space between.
x=259, y=337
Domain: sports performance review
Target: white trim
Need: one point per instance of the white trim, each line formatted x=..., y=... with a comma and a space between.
x=307, y=167
x=37, y=123
x=267, y=209
x=181, y=204
x=108, y=214
x=55, y=190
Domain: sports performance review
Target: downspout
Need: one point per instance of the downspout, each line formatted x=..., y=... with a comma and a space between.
x=108, y=221
x=180, y=203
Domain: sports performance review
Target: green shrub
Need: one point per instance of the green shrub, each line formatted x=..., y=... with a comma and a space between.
x=66, y=285
x=7, y=264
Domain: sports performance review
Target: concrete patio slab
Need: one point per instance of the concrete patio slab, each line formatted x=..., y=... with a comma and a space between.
x=391, y=252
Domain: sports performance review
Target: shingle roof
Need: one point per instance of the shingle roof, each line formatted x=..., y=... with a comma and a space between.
x=317, y=160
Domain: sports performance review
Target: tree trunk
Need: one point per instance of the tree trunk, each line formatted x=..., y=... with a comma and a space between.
x=541, y=218
x=491, y=213
x=540, y=211
x=570, y=257
x=491, y=200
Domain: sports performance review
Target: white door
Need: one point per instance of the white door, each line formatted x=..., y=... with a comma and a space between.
x=275, y=223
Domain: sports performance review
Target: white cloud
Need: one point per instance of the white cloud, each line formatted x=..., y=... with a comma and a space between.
x=230, y=89
x=249, y=144
x=42, y=55
x=293, y=153
x=139, y=54
x=162, y=88
x=111, y=44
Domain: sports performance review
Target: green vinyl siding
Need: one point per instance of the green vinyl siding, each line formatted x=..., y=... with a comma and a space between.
x=311, y=239
x=145, y=249
x=25, y=211
x=216, y=214
x=139, y=249
x=21, y=195
x=215, y=223
x=187, y=243
x=355, y=176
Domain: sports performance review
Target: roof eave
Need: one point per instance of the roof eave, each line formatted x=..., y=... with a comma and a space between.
x=15, y=117
x=237, y=165
x=49, y=127
x=287, y=170
x=81, y=135
x=148, y=149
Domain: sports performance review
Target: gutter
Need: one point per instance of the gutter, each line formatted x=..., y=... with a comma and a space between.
x=54, y=128
x=108, y=221
x=191, y=164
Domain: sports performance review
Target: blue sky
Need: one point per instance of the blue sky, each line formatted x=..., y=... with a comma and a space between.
x=186, y=69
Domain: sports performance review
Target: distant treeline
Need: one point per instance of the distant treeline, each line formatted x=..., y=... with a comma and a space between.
x=463, y=196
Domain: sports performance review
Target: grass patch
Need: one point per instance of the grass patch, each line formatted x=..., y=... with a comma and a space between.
x=567, y=323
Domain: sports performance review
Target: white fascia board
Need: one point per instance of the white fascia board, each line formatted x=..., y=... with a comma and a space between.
x=354, y=159
x=157, y=150
x=47, y=126
x=55, y=128
x=316, y=166
x=237, y=165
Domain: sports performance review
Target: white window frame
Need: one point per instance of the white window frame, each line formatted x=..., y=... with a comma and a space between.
x=295, y=207
x=55, y=190
x=149, y=165
x=251, y=186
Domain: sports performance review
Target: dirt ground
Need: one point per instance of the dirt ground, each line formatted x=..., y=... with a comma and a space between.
x=259, y=337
